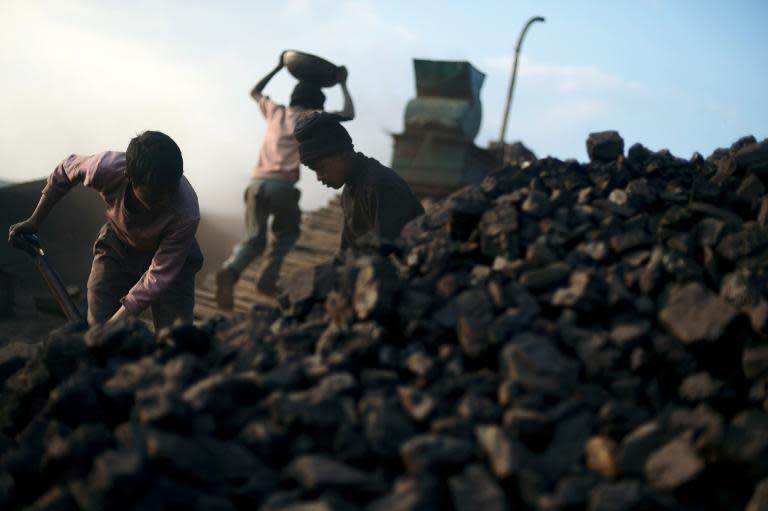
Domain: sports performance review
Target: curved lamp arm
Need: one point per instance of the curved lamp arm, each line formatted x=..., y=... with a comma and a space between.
x=514, y=76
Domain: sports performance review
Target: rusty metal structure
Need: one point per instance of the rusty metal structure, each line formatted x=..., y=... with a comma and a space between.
x=436, y=152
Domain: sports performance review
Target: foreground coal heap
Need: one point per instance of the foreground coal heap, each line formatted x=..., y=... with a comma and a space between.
x=562, y=337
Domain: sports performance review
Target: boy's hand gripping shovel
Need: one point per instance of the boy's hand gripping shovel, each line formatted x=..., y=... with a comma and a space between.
x=30, y=243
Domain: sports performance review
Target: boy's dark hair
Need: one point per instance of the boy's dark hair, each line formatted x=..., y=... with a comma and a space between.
x=307, y=95
x=154, y=160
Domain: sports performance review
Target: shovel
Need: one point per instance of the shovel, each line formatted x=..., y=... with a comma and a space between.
x=30, y=243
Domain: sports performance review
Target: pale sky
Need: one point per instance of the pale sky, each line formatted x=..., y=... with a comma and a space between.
x=85, y=76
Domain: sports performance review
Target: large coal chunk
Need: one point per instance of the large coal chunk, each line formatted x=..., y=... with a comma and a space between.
x=204, y=459
x=753, y=158
x=537, y=204
x=129, y=339
x=256, y=490
x=506, y=180
x=747, y=440
x=121, y=387
x=619, y=496
x=462, y=210
x=64, y=351
x=754, y=361
x=412, y=494
x=116, y=480
x=749, y=240
x=741, y=288
x=313, y=413
x=376, y=287
x=600, y=454
x=571, y=492
x=222, y=393
x=505, y=455
x=317, y=473
x=694, y=314
x=585, y=292
x=77, y=399
x=187, y=338
x=455, y=217
x=386, y=428
x=498, y=231
x=536, y=365
x=73, y=453
x=759, y=498
x=13, y=357
x=474, y=313
x=605, y=146
x=25, y=394
x=435, y=453
x=538, y=279
x=566, y=448
x=636, y=446
x=159, y=407
x=474, y=488
x=58, y=498
x=673, y=465
x=308, y=284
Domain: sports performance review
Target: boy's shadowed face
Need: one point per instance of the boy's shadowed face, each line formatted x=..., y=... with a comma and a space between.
x=332, y=170
x=152, y=199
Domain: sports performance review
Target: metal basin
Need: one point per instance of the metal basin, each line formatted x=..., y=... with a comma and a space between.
x=310, y=68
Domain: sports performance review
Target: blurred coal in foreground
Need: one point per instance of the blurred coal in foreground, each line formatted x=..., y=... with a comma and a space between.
x=563, y=336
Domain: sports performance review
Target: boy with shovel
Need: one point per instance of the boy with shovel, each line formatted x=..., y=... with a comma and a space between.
x=146, y=254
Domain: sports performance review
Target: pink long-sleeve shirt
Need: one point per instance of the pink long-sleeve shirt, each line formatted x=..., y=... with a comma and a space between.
x=168, y=233
x=279, y=153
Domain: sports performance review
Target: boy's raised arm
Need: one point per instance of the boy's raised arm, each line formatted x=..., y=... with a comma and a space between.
x=259, y=87
x=348, y=108
x=72, y=170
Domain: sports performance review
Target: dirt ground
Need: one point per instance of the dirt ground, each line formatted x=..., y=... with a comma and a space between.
x=29, y=329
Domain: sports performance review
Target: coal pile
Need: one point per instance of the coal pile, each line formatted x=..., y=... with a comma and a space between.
x=562, y=337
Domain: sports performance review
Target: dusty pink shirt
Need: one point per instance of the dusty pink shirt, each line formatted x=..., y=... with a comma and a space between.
x=279, y=154
x=169, y=233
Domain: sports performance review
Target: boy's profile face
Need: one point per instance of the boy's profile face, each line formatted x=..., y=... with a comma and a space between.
x=331, y=170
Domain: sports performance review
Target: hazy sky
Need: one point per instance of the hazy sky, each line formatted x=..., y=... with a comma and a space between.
x=84, y=76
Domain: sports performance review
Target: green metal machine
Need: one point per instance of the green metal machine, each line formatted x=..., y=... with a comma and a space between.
x=436, y=152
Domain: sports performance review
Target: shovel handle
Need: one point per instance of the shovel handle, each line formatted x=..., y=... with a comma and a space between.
x=30, y=243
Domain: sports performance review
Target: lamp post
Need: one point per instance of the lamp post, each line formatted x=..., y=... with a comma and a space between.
x=514, y=77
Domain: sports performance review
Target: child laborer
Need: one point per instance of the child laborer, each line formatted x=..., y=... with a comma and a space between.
x=146, y=254
x=272, y=190
x=375, y=199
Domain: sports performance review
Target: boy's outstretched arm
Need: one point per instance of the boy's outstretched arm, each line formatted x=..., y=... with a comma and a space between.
x=348, y=109
x=259, y=87
x=67, y=173
x=32, y=224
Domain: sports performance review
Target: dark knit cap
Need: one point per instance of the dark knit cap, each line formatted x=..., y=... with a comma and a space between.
x=321, y=134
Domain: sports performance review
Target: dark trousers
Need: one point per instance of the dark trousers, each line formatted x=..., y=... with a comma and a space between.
x=265, y=197
x=117, y=267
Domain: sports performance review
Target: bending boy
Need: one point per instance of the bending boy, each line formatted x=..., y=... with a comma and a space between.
x=146, y=254
x=375, y=199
